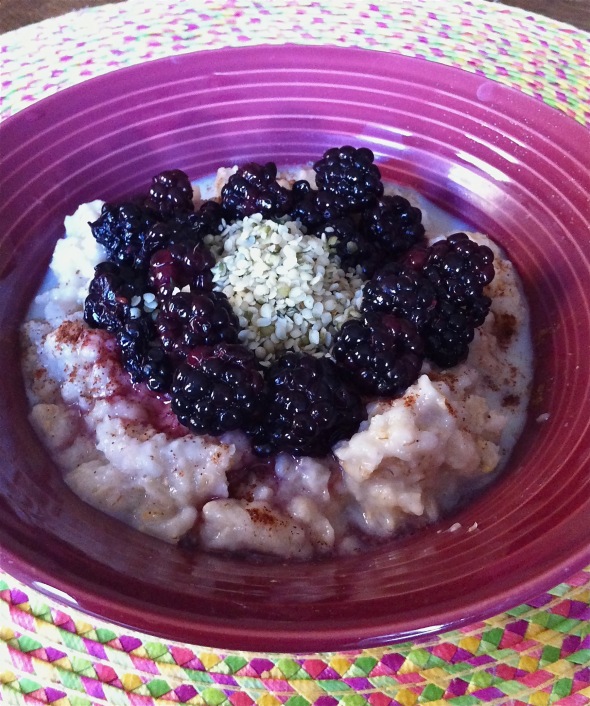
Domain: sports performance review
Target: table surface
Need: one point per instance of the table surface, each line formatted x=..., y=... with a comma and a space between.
x=16, y=13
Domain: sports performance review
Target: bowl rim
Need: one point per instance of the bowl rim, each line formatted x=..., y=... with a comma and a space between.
x=276, y=637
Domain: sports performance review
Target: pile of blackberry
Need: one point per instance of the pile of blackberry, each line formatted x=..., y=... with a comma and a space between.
x=440, y=290
x=179, y=336
x=154, y=247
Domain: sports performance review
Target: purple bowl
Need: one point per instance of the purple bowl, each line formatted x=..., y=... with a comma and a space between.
x=505, y=163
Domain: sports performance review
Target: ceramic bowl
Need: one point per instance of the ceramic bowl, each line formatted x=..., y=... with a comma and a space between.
x=507, y=164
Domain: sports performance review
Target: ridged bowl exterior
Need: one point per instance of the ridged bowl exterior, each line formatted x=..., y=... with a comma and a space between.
x=507, y=164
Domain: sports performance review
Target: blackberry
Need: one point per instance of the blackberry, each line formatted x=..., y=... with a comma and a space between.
x=142, y=356
x=171, y=194
x=122, y=230
x=219, y=392
x=157, y=369
x=300, y=189
x=447, y=335
x=165, y=234
x=382, y=353
x=394, y=224
x=254, y=189
x=460, y=269
x=209, y=219
x=159, y=236
x=179, y=265
x=415, y=258
x=309, y=407
x=191, y=319
x=402, y=291
x=350, y=246
x=110, y=292
x=316, y=208
x=351, y=174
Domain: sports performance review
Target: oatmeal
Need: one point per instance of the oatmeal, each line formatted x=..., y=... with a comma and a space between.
x=271, y=373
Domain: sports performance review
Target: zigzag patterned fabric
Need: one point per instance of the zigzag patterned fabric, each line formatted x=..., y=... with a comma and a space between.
x=537, y=653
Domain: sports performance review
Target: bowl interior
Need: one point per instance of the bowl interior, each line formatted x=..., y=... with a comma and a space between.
x=505, y=163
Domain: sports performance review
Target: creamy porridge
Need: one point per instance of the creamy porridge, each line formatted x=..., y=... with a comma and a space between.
x=402, y=443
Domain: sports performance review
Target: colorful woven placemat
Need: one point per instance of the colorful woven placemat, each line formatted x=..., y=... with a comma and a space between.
x=537, y=653
x=542, y=58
